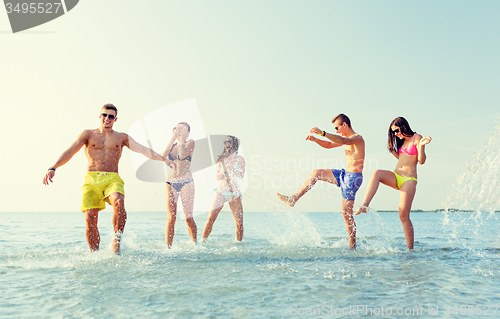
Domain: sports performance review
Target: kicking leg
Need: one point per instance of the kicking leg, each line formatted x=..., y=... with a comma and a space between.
x=325, y=175
x=379, y=176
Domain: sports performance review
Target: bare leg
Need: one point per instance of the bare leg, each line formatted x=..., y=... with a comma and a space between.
x=325, y=175
x=347, y=206
x=406, y=195
x=237, y=209
x=171, y=195
x=379, y=176
x=91, y=230
x=217, y=204
x=117, y=200
x=187, y=195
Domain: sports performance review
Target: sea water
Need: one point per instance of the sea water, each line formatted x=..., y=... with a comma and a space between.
x=288, y=265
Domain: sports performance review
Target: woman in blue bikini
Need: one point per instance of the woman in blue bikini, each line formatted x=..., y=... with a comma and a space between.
x=230, y=167
x=409, y=148
x=180, y=181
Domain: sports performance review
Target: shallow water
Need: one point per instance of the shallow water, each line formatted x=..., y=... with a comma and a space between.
x=288, y=265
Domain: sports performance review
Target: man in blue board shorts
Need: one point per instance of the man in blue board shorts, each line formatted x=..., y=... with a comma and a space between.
x=103, y=147
x=349, y=180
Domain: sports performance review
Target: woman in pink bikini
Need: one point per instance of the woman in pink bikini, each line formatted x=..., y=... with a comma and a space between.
x=409, y=148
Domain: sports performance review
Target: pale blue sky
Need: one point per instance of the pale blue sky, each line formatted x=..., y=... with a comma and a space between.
x=265, y=71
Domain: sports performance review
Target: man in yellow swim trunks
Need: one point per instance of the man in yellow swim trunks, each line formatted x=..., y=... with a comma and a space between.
x=103, y=148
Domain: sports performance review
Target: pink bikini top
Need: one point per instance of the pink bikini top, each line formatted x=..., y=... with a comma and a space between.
x=410, y=149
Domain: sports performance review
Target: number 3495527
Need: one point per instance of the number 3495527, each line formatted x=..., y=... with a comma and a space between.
x=33, y=7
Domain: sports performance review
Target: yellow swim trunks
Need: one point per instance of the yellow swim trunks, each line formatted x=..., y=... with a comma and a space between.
x=97, y=186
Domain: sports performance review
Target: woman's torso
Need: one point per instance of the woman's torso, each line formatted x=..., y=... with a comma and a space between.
x=183, y=164
x=229, y=171
x=408, y=158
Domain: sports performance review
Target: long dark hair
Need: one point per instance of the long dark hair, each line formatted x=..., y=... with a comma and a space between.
x=234, y=148
x=393, y=142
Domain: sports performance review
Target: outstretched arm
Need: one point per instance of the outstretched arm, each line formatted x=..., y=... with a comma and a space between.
x=337, y=139
x=149, y=153
x=322, y=143
x=66, y=155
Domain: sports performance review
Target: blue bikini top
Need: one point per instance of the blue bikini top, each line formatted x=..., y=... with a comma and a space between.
x=172, y=158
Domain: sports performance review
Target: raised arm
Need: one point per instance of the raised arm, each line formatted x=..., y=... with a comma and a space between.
x=338, y=140
x=421, y=148
x=170, y=144
x=219, y=172
x=184, y=149
x=235, y=166
x=240, y=171
x=322, y=143
x=67, y=155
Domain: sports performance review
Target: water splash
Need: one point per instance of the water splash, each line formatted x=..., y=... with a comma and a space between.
x=292, y=229
x=470, y=207
x=478, y=188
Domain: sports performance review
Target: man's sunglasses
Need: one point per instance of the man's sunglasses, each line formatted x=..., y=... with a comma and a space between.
x=109, y=116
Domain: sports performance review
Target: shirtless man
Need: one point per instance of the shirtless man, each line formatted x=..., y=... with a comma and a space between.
x=103, y=148
x=349, y=180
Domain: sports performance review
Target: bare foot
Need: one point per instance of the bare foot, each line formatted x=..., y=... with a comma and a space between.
x=362, y=209
x=116, y=248
x=290, y=200
x=116, y=244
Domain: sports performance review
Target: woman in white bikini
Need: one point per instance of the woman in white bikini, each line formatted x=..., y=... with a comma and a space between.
x=180, y=181
x=409, y=148
x=230, y=167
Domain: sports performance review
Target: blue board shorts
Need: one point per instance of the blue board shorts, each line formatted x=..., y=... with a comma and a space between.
x=349, y=182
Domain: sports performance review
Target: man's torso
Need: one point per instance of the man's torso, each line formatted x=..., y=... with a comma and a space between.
x=104, y=149
x=355, y=156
